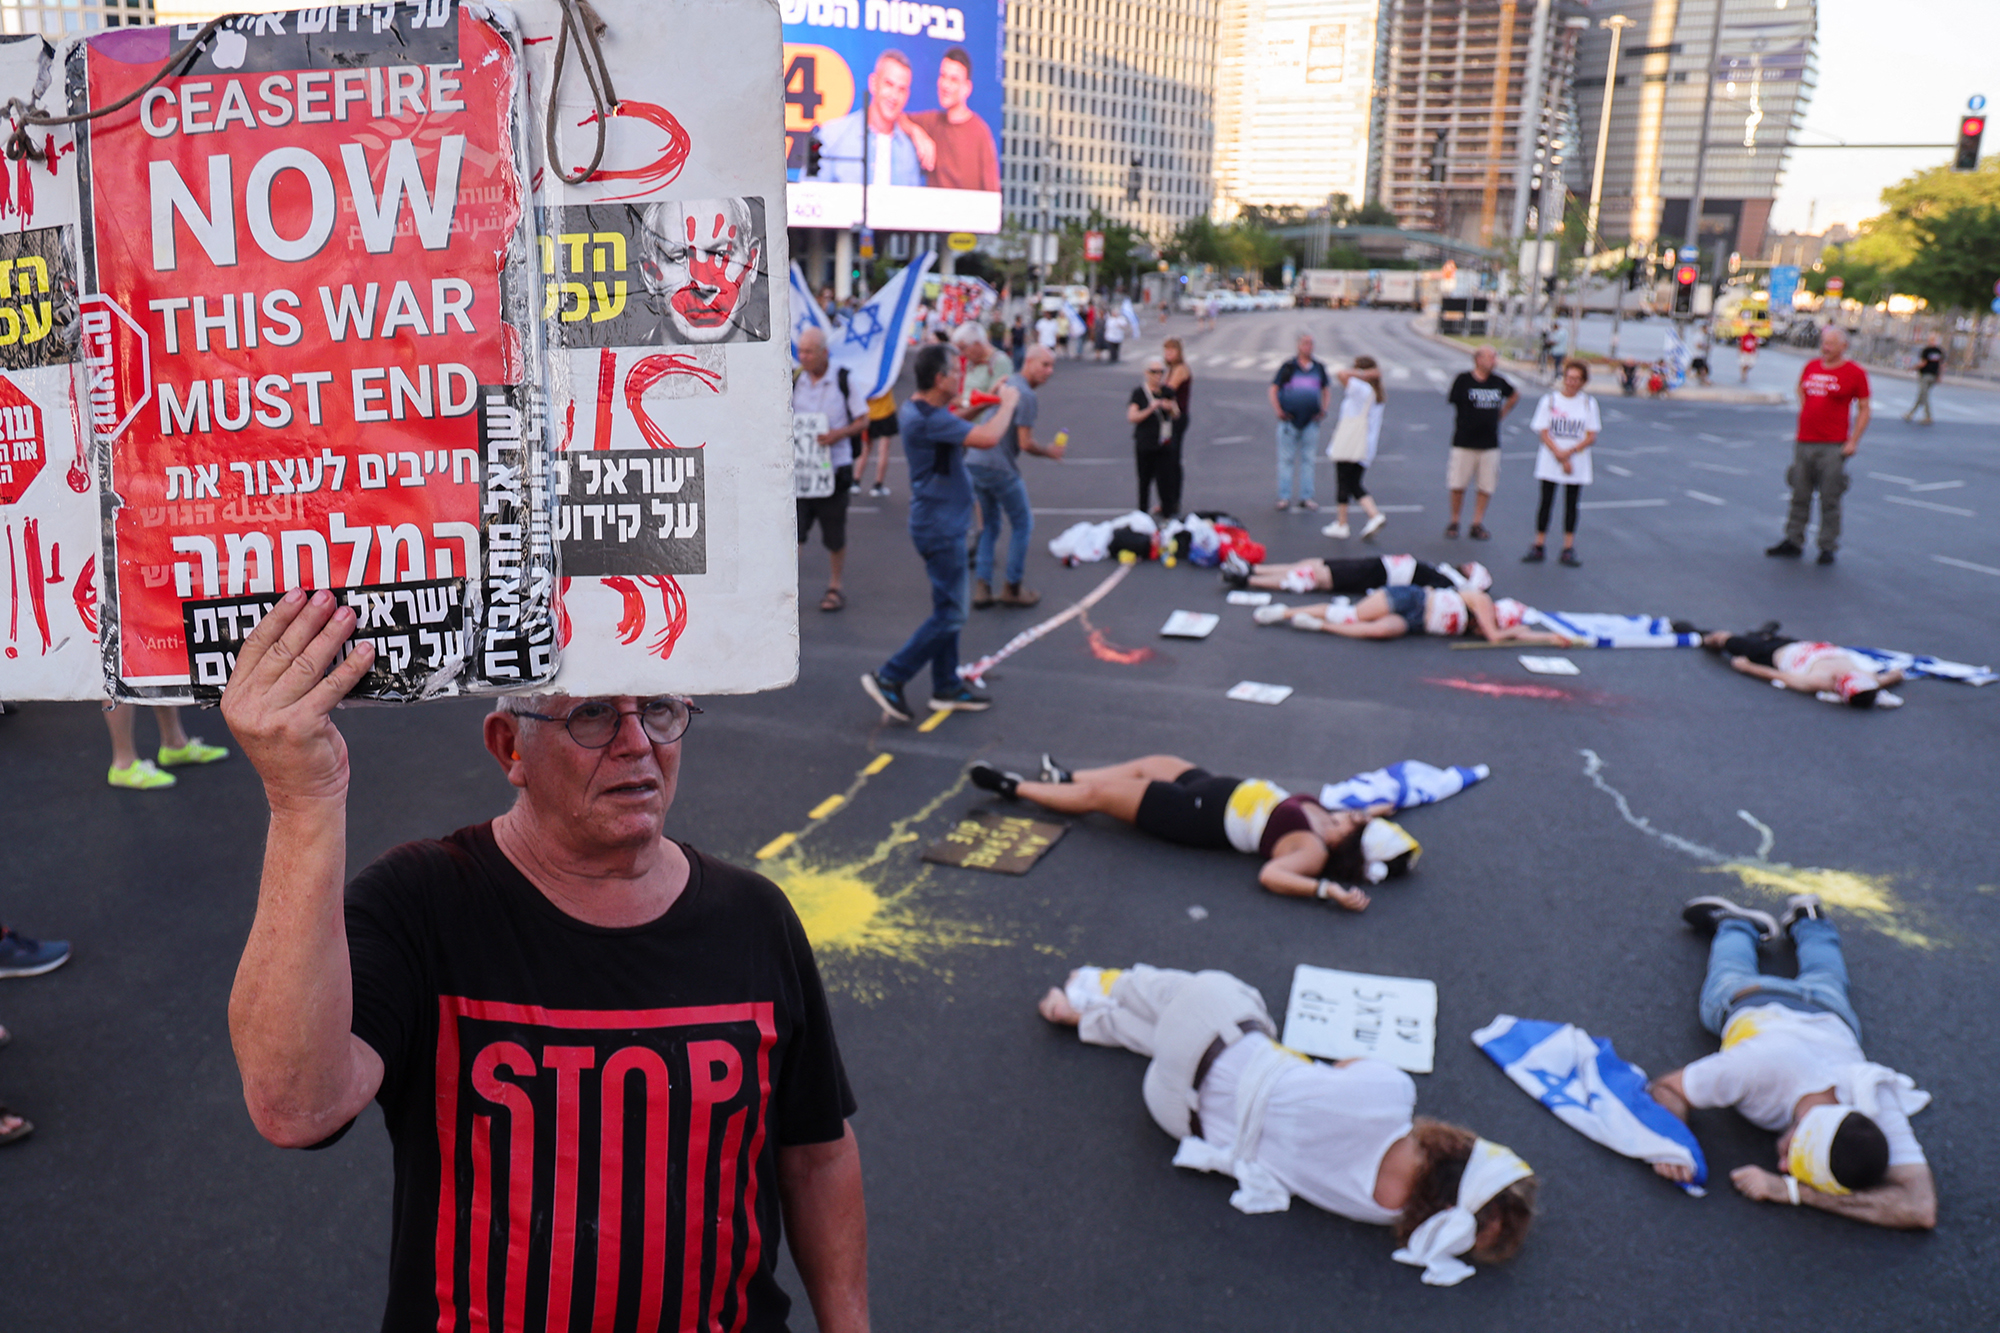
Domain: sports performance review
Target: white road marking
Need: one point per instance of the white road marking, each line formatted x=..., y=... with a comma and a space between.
x=1418, y=425
x=1434, y=375
x=1401, y=509
x=1706, y=498
x=1084, y=513
x=1617, y=471
x=1230, y=439
x=1621, y=504
x=1900, y=481
x=1399, y=372
x=1712, y=439
x=1094, y=462
x=1937, y=486
x=1719, y=467
x=1648, y=448
x=1244, y=362
x=1966, y=564
x=1660, y=425
x=1926, y=504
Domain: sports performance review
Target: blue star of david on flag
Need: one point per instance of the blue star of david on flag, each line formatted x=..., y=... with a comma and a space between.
x=871, y=341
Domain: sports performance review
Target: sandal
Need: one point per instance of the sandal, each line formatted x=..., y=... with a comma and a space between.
x=22, y=1127
x=833, y=601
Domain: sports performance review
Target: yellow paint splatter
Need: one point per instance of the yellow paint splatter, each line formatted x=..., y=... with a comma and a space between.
x=1868, y=897
x=875, y=912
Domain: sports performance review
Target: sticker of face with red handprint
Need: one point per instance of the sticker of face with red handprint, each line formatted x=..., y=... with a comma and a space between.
x=703, y=259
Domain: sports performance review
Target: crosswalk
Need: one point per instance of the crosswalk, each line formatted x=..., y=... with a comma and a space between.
x=1393, y=371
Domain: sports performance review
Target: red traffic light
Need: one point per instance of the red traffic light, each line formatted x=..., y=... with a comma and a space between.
x=1972, y=125
x=1686, y=275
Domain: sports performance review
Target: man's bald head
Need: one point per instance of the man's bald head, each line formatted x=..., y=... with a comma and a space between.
x=1037, y=365
x=1832, y=344
x=812, y=350
x=1484, y=358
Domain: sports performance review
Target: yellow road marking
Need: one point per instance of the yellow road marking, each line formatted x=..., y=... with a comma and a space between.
x=931, y=723
x=776, y=845
x=826, y=807
x=877, y=764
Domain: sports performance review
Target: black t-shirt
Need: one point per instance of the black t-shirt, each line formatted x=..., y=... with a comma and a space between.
x=501, y=1020
x=1479, y=404
x=1146, y=431
x=1930, y=361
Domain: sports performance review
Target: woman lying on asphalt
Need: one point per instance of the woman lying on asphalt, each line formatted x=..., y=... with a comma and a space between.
x=1354, y=577
x=1822, y=670
x=1341, y=1136
x=1390, y=613
x=1308, y=850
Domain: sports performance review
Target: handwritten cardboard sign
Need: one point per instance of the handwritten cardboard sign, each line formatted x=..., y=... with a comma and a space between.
x=990, y=840
x=1344, y=1015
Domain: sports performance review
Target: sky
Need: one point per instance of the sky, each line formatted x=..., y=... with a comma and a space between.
x=1890, y=71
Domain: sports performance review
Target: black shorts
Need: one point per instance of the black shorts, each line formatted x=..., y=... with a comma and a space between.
x=830, y=510
x=1759, y=648
x=1190, y=810
x=1347, y=486
x=880, y=427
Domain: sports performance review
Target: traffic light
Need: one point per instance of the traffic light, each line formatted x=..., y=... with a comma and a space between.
x=812, y=154
x=1970, y=128
x=1685, y=278
x=1631, y=275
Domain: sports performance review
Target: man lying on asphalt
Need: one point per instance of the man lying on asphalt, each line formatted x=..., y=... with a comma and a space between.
x=1791, y=1063
x=605, y=1059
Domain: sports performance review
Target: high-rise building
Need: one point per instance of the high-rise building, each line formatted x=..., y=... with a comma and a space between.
x=1473, y=101
x=1292, y=86
x=1110, y=106
x=63, y=18
x=1762, y=62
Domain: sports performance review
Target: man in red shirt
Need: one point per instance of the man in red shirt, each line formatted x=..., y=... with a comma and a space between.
x=1833, y=412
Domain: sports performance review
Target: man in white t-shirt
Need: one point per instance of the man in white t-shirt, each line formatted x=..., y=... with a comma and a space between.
x=833, y=395
x=1047, y=330
x=1791, y=1063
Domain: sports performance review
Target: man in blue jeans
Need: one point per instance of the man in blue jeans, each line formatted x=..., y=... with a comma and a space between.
x=1299, y=395
x=1791, y=1063
x=934, y=442
x=997, y=482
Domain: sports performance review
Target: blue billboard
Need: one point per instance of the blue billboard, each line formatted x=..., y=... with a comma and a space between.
x=893, y=114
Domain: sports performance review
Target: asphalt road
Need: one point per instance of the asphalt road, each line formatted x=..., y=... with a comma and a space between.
x=1015, y=1180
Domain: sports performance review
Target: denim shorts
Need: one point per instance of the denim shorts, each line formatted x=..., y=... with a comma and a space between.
x=1407, y=601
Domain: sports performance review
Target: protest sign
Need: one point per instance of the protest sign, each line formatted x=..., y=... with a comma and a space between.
x=812, y=462
x=989, y=840
x=1339, y=1015
x=325, y=366
x=660, y=311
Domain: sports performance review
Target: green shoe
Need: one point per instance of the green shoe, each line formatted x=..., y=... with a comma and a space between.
x=142, y=776
x=194, y=752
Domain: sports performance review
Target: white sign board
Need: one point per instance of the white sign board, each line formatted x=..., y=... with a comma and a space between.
x=1338, y=1015
x=812, y=462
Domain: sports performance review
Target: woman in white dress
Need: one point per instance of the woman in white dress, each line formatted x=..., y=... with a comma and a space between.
x=1567, y=423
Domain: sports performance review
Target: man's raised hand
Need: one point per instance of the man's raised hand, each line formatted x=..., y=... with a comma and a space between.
x=279, y=698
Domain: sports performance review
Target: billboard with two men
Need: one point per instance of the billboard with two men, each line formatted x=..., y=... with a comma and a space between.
x=892, y=115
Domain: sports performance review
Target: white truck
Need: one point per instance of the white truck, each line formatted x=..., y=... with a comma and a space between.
x=1395, y=287
x=1332, y=286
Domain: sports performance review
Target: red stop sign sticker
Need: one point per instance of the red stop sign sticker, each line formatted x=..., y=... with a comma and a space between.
x=118, y=369
x=22, y=451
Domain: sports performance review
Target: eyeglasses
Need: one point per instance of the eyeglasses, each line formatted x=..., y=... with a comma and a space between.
x=595, y=724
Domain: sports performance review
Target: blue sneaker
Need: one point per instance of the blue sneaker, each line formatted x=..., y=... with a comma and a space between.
x=961, y=699
x=23, y=957
x=887, y=696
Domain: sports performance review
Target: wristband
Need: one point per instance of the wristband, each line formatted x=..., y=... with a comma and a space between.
x=1324, y=889
x=1792, y=1189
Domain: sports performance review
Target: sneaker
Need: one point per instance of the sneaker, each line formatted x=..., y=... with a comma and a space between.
x=1787, y=548
x=1311, y=506
x=879, y=491
x=988, y=778
x=1799, y=907
x=889, y=697
x=1705, y=914
x=1235, y=566
x=1479, y=533
x=1568, y=557
x=142, y=776
x=194, y=752
x=1235, y=582
x=1374, y=525
x=962, y=699
x=1825, y=558
x=23, y=957
x=1535, y=556
x=1451, y=530
x=1055, y=772
x=1272, y=613
x=1334, y=530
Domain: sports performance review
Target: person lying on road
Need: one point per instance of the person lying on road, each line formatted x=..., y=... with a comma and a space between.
x=1391, y=613
x=1821, y=670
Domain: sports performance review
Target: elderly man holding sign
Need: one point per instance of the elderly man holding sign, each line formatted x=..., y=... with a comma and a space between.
x=828, y=415
x=605, y=1059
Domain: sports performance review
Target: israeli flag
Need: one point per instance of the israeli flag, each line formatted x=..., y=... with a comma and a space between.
x=1612, y=631
x=1592, y=1090
x=806, y=313
x=1919, y=664
x=1131, y=317
x=1400, y=786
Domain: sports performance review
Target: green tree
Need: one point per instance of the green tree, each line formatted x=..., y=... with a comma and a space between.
x=1905, y=246
x=1958, y=257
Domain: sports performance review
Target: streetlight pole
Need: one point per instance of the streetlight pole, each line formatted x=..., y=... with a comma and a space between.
x=1617, y=23
x=1696, y=203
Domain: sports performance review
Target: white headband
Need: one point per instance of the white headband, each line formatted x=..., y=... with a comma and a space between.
x=1812, y=1146
x=1438, y=1241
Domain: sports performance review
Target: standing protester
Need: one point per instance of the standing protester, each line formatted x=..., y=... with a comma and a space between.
x=1152, y=411
x=489, y=986
x=1047, y=331
x=1353, y=449
x=1930, y=368
x=996, y=481
x=1017, y=339
x=1791, y=1063
x=934, y=441
x=1180, y=383
x=177, y=749
x=1299, y=394
x=1481, y=399
x=1567, y=423
x=881, y=429
x=1115, y=334
x=1833, y=412
x=23, y=957
x=985, y=370
x=1746, y=355
x=835, y=398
